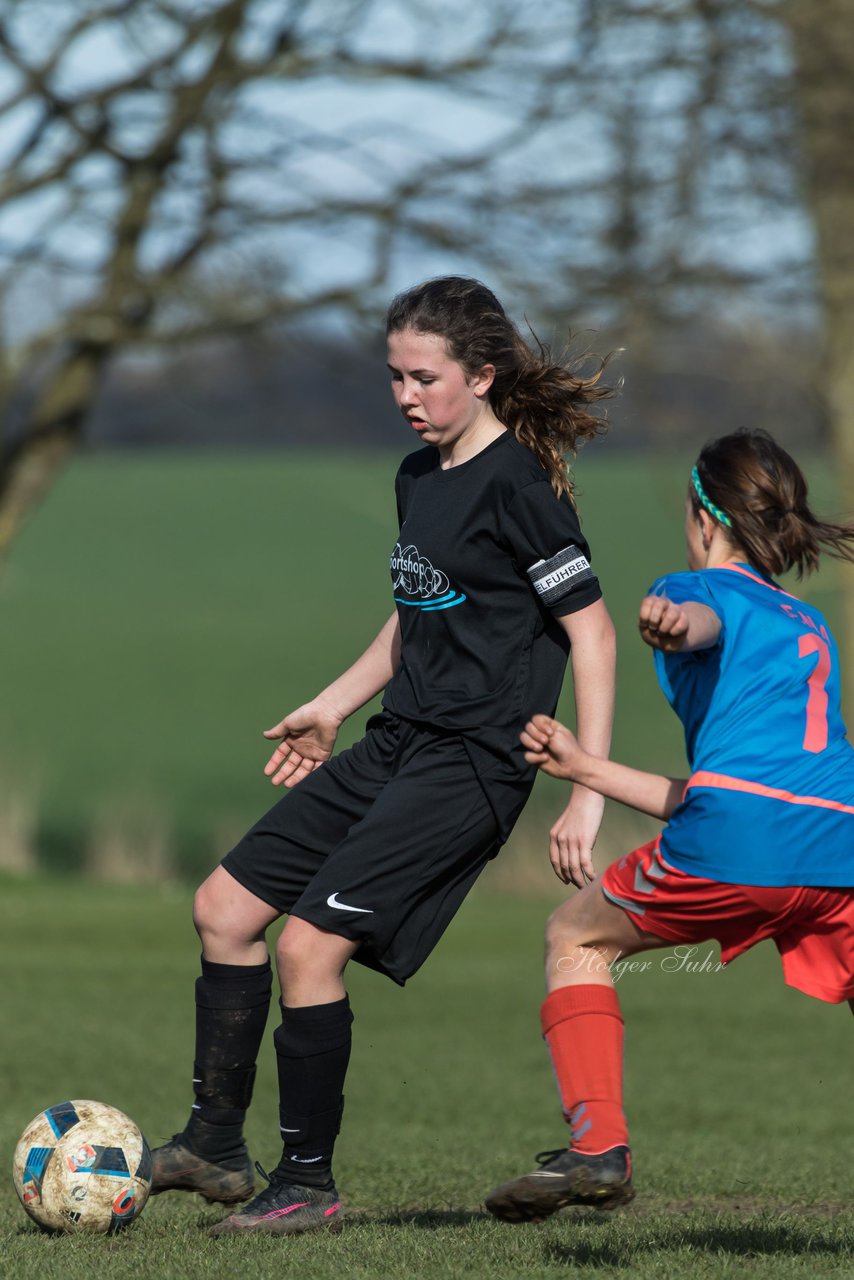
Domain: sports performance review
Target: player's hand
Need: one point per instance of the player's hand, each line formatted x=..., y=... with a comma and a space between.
x=573, y=836
x=663, y=624
x=307, y=739
x=551, y=746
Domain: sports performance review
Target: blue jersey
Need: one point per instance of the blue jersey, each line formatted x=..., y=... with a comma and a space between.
x=770, y=800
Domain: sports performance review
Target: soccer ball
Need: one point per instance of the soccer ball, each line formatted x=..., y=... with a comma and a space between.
x=82, y=1166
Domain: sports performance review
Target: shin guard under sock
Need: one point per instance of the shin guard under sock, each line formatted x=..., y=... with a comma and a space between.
x=583, y=1027
x=232, y=1003
x=312, y=1051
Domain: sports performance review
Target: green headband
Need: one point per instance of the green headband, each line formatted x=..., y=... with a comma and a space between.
x=720, y=516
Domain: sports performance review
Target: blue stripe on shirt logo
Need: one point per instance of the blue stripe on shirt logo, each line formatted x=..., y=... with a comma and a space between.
x=431, y=606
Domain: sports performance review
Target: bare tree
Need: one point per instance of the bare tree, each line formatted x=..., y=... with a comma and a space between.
x=177, y=170
x=734, y=188
x=824, y=50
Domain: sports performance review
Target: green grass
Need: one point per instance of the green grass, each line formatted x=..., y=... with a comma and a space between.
x=737, y=1090
x=158, y=612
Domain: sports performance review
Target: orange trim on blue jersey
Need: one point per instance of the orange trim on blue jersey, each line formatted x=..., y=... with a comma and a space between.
x=754, y=577
x=723, y=782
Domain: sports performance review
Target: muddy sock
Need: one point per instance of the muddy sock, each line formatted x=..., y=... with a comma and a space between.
x=232, y=1002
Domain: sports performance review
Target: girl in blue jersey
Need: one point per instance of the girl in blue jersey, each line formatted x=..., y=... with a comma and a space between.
x=759, y=841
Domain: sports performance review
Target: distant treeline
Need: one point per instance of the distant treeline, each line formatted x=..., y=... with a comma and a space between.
x=271, y=393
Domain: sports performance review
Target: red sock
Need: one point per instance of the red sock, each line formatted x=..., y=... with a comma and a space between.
x=583, y=1027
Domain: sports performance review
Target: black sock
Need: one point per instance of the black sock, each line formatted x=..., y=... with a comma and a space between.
x=312, y=1050
x=232, y=1002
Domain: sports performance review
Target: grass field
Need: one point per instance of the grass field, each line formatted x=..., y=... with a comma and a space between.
x=738, y=1093
x=158, y=612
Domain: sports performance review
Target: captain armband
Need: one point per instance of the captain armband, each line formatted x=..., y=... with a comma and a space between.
x=556, y=579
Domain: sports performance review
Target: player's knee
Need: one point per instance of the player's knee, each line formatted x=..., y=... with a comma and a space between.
x=574, y=943
x=214, y=918
x=295, y=955
x=204, y=910
x=564, y=928
x=310, y=961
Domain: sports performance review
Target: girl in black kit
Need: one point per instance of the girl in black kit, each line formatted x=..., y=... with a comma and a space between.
x=376, y=849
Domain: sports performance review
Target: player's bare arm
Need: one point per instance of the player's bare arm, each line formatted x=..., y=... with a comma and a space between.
x=555, y=749
x=677, y=628
x=593, y=657
x=308, y=734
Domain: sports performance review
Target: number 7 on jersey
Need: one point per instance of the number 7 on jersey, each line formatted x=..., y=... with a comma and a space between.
x=815, y=734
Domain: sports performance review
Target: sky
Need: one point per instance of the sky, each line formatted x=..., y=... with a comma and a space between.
x=394, y=129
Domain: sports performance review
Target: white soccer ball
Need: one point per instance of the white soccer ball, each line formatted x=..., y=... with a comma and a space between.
x=82, y=1166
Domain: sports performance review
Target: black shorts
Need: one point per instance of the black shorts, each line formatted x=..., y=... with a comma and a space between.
x=379, y=845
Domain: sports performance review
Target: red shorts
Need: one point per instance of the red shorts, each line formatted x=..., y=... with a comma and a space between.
x=812, y=928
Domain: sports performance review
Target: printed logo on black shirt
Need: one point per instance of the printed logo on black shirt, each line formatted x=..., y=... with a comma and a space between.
x=419, y=582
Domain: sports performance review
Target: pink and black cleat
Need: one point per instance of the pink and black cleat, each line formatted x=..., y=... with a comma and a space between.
x=283, y=1208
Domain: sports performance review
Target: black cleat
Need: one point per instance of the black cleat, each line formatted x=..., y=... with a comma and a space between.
x=176, y=1167
x=284, y=1209
x=565, y=1177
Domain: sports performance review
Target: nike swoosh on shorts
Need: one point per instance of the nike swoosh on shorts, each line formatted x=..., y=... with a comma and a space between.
x=342, y=906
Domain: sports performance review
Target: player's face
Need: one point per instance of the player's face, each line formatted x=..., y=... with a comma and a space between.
x=439, y=400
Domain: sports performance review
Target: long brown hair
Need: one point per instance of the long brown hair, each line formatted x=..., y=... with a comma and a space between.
x=542, y=401
x=762, y=490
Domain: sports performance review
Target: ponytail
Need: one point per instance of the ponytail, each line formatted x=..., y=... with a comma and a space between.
x=546, y=407
x=752, y=480
x=541, y=400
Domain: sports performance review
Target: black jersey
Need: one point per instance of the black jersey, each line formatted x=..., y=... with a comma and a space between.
x=488, y=557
